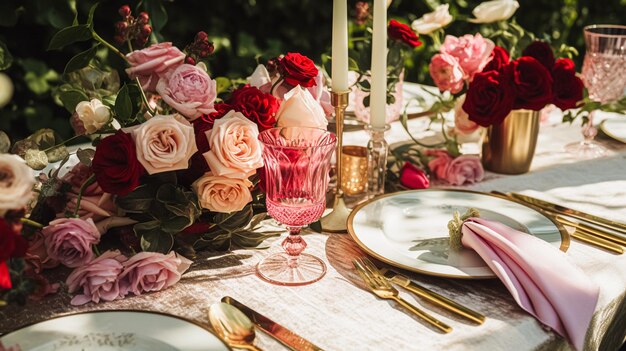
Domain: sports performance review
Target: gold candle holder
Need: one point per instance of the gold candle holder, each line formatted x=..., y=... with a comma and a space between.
x=354, y=170
x=336, y=220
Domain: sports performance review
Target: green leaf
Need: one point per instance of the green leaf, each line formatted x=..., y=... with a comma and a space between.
x=69, y=35
x=139, y=200
x=316, y=226
x=92, y=10
x=353, y=65
x=123, y=105
x=176, y=224
x=6, y=59
x=234, y=221
x=223, y=84
x=153, y=238
x=158, y=15
x=246, y=238
x=81, y=60
x=71, y=98
x=85, y=156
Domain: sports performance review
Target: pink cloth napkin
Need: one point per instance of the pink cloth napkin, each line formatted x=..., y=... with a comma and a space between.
x=540, y=278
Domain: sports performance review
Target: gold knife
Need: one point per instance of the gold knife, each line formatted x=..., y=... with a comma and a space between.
x=603, y=222
x=596, y=241
x=285, y=336
x=432, y=296
x=593, y=231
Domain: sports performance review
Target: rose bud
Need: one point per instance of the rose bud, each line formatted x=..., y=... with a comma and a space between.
x=202, y=36
x=143, y=18
x=211, y=48
x=124, y=11
x=190, y=60
x=146, y=30
x=119, y=39
x=204, y=53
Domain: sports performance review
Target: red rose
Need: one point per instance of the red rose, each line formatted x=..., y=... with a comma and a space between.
x=489, y=98
x=499, y=58
x=567, y=87
x=257, y=106
x=533, y=83
x=413, y=177
x=11, y=245
x=297, y=69
x=542, y=52
x=403, y=33
x=115, y=164
x=221, y=109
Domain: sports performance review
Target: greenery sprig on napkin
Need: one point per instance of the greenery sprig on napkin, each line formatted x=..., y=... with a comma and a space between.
x=455, y=224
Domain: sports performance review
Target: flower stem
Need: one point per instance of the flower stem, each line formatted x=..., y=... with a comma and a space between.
x=62, y=143
x=278, y=81
x=144, y=98
x=31, y=223
x=87, y=183
x=108, y=45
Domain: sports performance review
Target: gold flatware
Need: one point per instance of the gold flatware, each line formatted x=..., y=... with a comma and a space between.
x=233, y=326
x=378, y=285
x=285, y=336
x=432, y=296
x=583, y=216
x=596, y=241
x=593, y=231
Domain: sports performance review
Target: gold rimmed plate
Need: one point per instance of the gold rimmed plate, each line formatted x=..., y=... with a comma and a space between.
x=408, y=229
x=115, y=330
x=615, y=128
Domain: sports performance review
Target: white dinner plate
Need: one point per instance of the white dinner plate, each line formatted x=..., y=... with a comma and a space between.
x=615, y=128
x=115, y=330
x=409, y=229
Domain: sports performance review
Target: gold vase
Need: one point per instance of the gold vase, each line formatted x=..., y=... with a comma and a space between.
x=509, y=147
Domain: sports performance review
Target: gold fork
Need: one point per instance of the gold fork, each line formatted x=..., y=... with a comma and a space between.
x=383, y=289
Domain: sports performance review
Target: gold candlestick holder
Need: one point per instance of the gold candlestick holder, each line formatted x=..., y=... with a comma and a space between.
x=336, y=220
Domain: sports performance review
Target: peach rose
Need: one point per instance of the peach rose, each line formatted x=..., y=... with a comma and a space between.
x=189, y=90
x=16, y=183
x=446, y=72
x=439, y=165
x=152, y=62
x=259, y=77
x=164, y=143
x=300, y=109
x=151, y=271
x=69, y=240
x=465, y=169
x=235, y=150
x=99, y=279
x=472, y=52
x=221, y=194
x=462, y=123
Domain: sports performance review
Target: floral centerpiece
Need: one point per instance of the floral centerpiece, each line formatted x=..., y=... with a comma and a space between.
x=174, y=168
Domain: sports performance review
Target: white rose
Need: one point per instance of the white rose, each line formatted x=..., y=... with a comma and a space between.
x=235, y=150
x=6, y=89
x=432, y=21
x=164, y=143
x=16, y=183
x=259, y=77
x=93, y=114
x=300, y=109
x=221, y=194
x=493, y=11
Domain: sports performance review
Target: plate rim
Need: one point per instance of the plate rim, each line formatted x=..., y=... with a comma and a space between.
x=607, y=132
x=71, y=314
x=565, y=237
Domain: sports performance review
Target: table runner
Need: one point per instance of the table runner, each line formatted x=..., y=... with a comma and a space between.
x=336, y=314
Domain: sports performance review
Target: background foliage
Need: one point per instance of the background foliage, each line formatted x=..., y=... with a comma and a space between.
x=244, y=32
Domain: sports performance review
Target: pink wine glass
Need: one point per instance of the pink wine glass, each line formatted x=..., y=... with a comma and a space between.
x=297, y=162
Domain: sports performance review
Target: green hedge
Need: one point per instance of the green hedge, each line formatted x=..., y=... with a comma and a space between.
x=244, y=31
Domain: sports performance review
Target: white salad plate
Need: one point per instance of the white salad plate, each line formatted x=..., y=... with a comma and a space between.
x=615, y=128
x=112, y=331
x=409, y=230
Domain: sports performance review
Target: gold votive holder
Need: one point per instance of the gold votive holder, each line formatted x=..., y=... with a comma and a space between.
x=354, y=170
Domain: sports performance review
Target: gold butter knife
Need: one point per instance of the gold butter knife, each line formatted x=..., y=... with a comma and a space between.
x=596, y=241
x=603, y=222
x=593, y=231
x=432, y=296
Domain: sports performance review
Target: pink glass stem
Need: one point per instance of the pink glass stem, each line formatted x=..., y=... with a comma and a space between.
x=294, y=245
x=588, y=130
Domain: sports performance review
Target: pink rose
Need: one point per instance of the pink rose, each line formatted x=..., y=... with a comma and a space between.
x=221, y=194
x=462, y=123
x=152, y=62
x=465, y=169
x=98, y=279
x=69, y=240
x=164, y=143
x=37, y=255
x=189, y=90
x=472, y=52
x=446, y=72
x=235, y=150
x=439, y=165
x=152, y=271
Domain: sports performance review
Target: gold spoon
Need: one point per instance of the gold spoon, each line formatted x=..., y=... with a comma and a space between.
x=233, y=326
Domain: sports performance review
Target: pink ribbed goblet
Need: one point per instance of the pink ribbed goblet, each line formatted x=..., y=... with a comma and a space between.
x=297, y=162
